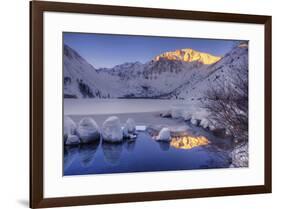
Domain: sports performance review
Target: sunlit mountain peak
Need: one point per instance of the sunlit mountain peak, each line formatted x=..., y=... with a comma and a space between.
x=188, y=55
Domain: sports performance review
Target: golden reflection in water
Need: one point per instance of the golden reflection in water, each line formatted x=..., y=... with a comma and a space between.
x=188, y=142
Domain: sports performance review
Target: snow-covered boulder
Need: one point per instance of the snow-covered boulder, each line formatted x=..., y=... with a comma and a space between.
x=88, y=130
x=166, y=114
x=204, y=123
x=176, y=112
x=125, y=132
x=212, y=127
x=240, y=156
x=112, y=130
x=130, y=125
x=194, y=121
x=187, y=116
x=164, y=135
x=72, y=140
x=69, y=127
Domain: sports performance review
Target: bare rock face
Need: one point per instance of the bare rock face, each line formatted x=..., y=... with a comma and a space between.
x=88, y=130
x=189, y=55
x=112, y=130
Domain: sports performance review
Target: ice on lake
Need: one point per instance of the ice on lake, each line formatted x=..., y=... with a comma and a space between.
x=118, y=106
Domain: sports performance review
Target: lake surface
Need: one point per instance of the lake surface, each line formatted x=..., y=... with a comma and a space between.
x=191, y=147
x=143, y=154
x=119, y=106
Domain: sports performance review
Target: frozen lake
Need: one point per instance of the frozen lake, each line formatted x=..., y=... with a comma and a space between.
x=118, y=106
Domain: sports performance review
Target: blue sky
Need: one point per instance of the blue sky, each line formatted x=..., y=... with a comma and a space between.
x=104, y=50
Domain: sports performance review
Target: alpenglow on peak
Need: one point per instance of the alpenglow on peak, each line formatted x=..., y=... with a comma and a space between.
x=188, y=55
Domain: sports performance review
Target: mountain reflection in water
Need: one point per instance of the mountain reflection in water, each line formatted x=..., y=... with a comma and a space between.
x=188, y=142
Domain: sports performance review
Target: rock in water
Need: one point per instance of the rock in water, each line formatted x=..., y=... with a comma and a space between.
x=88, y=130
x=204, y=123
x=72, y=140
x=176, y=112
x=112, y=130
x=69, y=127
x=194, y=121
x=164, y=135
x=130, y=125
x=125, y=132
x=166, y=114
x=187, y=116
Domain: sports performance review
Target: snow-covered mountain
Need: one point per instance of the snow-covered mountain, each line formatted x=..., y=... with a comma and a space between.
x=233, y=64
x=180, y=74
x=82, y=80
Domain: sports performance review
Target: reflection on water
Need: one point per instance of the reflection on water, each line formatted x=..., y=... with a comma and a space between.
x=130, y=145
x=188, y=142
x=70, y=155
x=112, y=152
x=87, y=153
x=144, y=154
x=165, y=146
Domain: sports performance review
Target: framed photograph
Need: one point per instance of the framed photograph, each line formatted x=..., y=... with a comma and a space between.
x=139, y=104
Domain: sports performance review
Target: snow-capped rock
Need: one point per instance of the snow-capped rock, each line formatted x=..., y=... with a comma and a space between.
x=189, y=55
x=69, y=127
x=204, y=123
x=125, y=132
x=187, y=115
x=112, y=130
x=240, y=156
x=194, y=121
x=88, y=130
x=164, y=135
x=130, y=125
x=176, y=112
x=166, y=114
x=72, y=140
